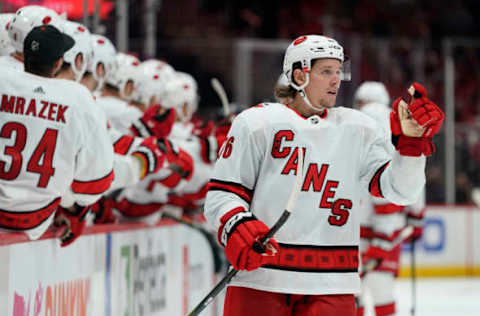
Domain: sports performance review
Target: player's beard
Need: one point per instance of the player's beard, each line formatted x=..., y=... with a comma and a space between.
x=327, y=102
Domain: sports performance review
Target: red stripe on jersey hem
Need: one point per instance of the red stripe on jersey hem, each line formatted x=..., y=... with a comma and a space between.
x=232, y=187
x=94, y=186
x=321, y=259
x=369, y=233
x=200, y=194
x=122, y=146
x=389, y=208
x=374, y=186
x=418, y=216
x=23, y=220
x=131, y=209
x=385, y=310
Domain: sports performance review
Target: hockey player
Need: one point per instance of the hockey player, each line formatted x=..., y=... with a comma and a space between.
x=100, y=64
x=311, y=267
x=117, y=92
x=381, y=221
x=24, y=20
x=6, y=47
x=48, y=140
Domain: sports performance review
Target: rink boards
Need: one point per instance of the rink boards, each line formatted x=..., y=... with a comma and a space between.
x=450, y=245
x=162, y=270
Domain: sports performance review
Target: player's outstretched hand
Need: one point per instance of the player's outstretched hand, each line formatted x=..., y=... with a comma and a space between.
x=239, y=231
x=414, y=125
x=156, y=121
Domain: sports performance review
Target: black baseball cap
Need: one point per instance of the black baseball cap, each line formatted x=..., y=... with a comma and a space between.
x=45, y=44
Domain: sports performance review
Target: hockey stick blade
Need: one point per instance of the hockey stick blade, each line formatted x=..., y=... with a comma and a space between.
x=263, y=241
x=374, y=263
x=218, y=87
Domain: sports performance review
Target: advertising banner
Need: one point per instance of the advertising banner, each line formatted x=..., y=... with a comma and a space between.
x=47, y=280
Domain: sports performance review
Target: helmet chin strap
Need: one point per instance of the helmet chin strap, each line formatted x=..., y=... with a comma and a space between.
x=303, y=93
x=307, y=101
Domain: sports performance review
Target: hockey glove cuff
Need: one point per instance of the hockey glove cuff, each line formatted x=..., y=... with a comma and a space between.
x=239, y=231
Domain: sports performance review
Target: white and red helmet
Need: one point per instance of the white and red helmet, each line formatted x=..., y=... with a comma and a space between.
x=160, y=67
x=149, y=84
x=6, y=47
x=190, y=89
x=103, y=53
x=28, y=17
x=152, y=78
x=124, y=71
x=83, y=46
x=306, y=48
x=181, y=95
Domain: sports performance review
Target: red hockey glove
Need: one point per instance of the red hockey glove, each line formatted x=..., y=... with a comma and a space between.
x=102, y=210
x=74, y=222
x=179, y=161
x=413, y=126
x=417, y=221
x=150, y=156
x=238, y=232
x=152, y=123
x=373, y=253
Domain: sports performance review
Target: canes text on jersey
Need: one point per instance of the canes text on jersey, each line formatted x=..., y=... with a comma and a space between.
x=35, y=108
x=313, y=178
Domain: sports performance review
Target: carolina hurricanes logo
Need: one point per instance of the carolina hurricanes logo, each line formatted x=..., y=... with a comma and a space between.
x=299, y=40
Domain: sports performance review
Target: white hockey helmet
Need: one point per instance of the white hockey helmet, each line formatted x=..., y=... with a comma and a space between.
x=124, y=71
x=149, y=85
x=28, y=17
x=162, y=72
x=83, y=46
x=160, y=67
x=372, y=91
x=179, y=93
x=192, y=103
x=306, y=48
x=6, y=47
x=103, y=53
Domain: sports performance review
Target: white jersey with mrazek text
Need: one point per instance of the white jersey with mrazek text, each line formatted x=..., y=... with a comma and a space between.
x=50, y=144
x=319, y=242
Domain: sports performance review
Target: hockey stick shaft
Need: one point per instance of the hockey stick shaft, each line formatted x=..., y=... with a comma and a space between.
x=218, y=87
x=259, y=247
x=414, y=279
x=232, y=272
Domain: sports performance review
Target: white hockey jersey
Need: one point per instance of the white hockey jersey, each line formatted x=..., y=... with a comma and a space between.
x=319, y=242
x=119, y=114
x=9, y=61
x=50, y=143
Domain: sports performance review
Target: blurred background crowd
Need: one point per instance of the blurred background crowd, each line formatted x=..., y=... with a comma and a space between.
x=242, y=44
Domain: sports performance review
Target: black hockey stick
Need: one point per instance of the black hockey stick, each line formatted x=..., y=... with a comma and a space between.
x=414, y=278
x=259, y=246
